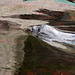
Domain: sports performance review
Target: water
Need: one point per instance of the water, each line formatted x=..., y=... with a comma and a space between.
x=66, y=2
x=51, y=34
x=48, y=51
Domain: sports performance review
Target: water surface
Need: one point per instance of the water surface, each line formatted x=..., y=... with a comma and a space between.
x=50, y=34
x=66, y=2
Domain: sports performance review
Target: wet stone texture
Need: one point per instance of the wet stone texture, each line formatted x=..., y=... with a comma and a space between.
x=43, y=59
x=54, y=18
x=40, y=58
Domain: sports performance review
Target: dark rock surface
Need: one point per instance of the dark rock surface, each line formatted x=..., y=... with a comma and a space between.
x=54, y=18
x=43, y=59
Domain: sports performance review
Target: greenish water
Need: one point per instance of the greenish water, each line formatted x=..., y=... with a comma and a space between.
x=43, y=59
x=61, y=1
x=66, y=2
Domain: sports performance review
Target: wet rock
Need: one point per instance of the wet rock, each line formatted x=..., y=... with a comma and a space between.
x=44, y=59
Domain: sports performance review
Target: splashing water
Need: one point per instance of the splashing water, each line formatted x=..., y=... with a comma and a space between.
x=51, y=34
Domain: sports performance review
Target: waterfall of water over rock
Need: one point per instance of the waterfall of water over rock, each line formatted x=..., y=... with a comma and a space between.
x=50, y=35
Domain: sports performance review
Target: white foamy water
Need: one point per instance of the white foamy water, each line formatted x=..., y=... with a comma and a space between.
x=51, y=35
